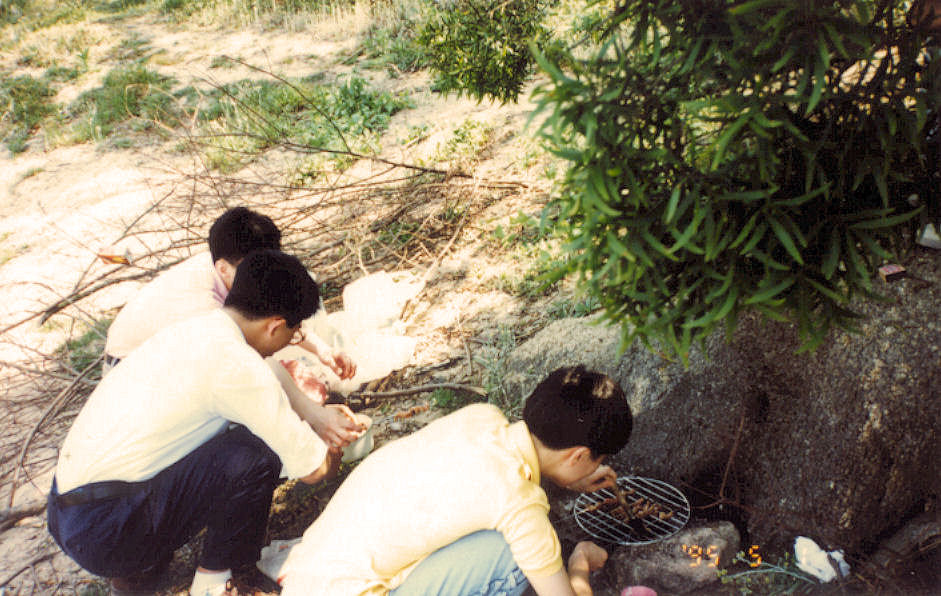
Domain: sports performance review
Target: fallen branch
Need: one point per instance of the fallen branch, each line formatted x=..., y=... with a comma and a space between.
x=56, y=402
x=420, y=389
x=76, y=296
x=8, y=517
x=37, y=559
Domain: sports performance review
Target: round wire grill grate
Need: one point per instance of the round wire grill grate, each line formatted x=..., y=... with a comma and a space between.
x=598, y=520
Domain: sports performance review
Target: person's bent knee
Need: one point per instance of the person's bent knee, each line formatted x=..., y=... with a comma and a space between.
x=249, y=460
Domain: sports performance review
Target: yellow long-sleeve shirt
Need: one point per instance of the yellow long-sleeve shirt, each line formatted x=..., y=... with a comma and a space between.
x=469, y=471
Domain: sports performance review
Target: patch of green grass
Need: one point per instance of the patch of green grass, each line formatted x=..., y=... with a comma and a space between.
x=465, y=144
x=130, y=49
x=29, y=174
x=268, y=13
x=117, y=6
x=492, y=358
x=61, y=74
x=221, y=62
x=180, y=7
x=522, y=230
x=79, y=352
x=392, y=48
x=127, y=92
x=415, y=133
x=27, y=102
x=398, y=233
x=534, y=253
x=448, y=400
x=63, y=13
x=569, y=308
x=11, y=11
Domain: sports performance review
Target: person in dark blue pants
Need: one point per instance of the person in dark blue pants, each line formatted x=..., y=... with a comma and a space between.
x=191, y=430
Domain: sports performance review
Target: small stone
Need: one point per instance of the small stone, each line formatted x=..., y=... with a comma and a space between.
x=685, y=562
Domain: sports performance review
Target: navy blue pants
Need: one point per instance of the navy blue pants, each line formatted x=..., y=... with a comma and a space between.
x=225, y=485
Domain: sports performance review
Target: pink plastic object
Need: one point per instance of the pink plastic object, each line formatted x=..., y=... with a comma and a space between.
x=637, y=591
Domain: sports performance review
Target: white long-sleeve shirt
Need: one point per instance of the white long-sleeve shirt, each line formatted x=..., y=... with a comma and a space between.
x=187, y=289
x=173, y=393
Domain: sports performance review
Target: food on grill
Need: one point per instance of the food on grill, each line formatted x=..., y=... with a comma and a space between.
x=622, y=499
x=625, y=511
x=654, y=510
x=595, y=506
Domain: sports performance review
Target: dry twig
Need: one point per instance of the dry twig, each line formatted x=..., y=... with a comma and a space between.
x=420, y=389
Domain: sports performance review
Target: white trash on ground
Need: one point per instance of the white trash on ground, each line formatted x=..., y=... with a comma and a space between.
x=815, y=561
x=929, y=237
x=273, y=557
x=369, y=329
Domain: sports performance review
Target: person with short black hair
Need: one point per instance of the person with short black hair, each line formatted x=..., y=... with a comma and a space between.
x=201, y=284
x=240, y=231
x=198, y=284
x=457, y=507
x=192, y=430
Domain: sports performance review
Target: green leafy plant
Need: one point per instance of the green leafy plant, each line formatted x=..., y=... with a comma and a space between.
x=448, y=400
x=481, y=47
x=563, y=309
x=246, y=117
x=395, y=48
x=726, y=156
x=492, y=358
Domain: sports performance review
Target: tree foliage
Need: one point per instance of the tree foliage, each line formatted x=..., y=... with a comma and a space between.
x=731, y=155
x=481, y=47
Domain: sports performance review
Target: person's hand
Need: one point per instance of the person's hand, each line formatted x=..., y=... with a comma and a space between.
x=341, y=364
x=333, y=463
x=306, y=380
x=602, y=477
x=588, y=554
x=327, y=470
x=337, y=426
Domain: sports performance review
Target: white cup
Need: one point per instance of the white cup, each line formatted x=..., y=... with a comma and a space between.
x=361, y=447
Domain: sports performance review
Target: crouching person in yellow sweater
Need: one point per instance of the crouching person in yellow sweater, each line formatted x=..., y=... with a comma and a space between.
x=457, y=507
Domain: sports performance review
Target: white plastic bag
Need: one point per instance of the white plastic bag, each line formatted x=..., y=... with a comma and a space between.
x=813, y=560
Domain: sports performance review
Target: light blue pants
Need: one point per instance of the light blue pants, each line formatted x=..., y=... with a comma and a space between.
x=479, y=564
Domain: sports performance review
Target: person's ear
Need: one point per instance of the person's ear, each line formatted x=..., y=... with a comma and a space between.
x=226, y=271
x=272, y=325
x=578, y=455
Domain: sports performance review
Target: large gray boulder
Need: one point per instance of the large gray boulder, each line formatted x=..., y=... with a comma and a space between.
x=840, y=444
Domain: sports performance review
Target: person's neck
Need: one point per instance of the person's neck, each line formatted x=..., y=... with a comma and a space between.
x=250, y=329
x=550, y=459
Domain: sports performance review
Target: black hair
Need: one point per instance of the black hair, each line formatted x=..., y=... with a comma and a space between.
x=574, y=407
x=238, y=232
x=270, y=283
